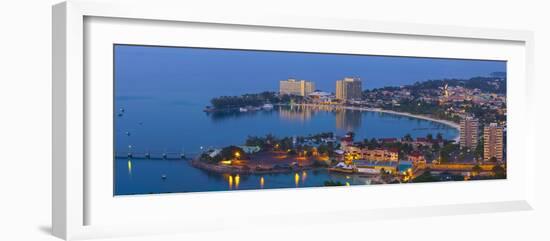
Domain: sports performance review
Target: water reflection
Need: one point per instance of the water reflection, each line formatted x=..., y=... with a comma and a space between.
x=183, y=177
x=262, y=182
x=235, y=114
x=296, y=113
x=130, y=167
x=348, y=120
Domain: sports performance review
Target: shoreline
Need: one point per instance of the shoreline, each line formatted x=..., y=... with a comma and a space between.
x=379, y=110
x=239, y=170
x=448, y=123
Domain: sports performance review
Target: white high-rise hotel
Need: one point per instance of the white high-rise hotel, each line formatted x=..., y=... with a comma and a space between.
x=296, y=87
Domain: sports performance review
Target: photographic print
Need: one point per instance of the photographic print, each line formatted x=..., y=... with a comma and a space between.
x=204, y=119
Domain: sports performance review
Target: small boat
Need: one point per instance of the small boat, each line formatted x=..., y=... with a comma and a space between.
x=163, y=176
x=209, y=109
x=267, y=106
x=241, y=109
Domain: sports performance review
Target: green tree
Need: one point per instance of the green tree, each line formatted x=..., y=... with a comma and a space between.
x=232, y=152
x=476, y=169
x=408, y=137
x=323, y=149
x=439, y=137
x=333, y=183
x=430, y=137
x=478, y=152
x=499, y=172
x=425, y=177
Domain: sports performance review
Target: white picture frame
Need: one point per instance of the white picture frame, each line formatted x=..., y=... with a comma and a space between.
x=73, y=188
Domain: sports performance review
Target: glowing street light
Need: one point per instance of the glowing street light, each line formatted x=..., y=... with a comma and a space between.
x=237, y=155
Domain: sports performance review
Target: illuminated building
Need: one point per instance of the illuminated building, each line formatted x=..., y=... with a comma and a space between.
x=296, y=87
x=349, y=88
x=468, y=132
x=492, y=142
x=379, y=154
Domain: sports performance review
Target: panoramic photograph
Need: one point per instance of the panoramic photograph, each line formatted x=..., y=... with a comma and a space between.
x=203, y=119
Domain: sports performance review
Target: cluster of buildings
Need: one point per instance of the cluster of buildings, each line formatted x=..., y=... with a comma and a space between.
x=454, y=100
x=493, y=138
x=356, y=157
x=359, y=158
x=476, y=96
x=349, y=88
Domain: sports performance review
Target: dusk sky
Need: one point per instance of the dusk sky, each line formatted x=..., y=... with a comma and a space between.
x=141, y=71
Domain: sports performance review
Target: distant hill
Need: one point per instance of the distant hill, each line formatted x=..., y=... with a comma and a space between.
x=485, y=84
x=496, y=84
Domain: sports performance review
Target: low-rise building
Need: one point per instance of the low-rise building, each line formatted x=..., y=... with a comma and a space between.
x=375, y=167
x=379, y=154
x=417, y=158
x=250, y=149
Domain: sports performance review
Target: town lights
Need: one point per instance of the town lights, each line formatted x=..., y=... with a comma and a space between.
x=237, y=155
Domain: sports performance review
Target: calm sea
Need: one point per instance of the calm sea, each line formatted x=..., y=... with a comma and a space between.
x=162, y=125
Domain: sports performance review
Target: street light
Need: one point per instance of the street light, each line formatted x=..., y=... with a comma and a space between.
x=237, y=155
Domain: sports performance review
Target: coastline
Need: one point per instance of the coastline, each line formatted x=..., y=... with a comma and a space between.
x=417, y=116
x=240, y=170
x=423, y=117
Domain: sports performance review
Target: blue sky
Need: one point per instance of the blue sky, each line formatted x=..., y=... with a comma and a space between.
x=143, y=71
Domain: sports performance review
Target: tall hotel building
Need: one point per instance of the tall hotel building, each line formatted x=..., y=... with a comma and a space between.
x=296, y=87
x=493, y=142
x=468, y=132
x=349, y=88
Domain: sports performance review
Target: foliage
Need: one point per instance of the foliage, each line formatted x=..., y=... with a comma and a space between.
x=476, y=169
x=319, y=163
x=487, y=84
x=333, y=183
x=231, y=152
x=499, y=172
x=228, y=102
x=446, y=151
x=425, y=177
x=479, y=149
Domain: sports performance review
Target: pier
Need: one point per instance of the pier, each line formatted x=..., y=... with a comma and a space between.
x=156, y=155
